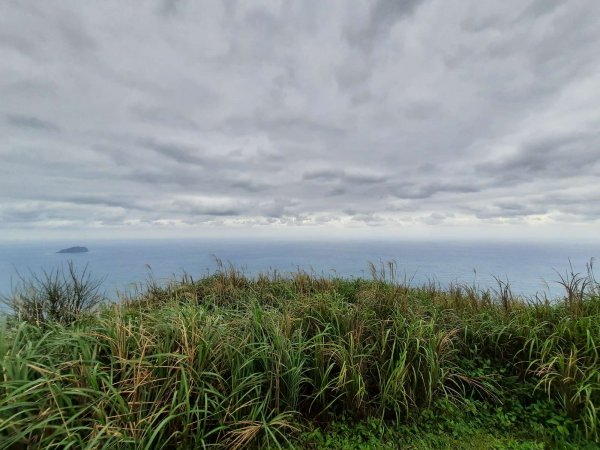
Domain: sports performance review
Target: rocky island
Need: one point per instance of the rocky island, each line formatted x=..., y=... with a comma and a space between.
x=74, y=250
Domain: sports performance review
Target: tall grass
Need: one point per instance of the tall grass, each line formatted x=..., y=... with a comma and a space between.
x=227, y=361
x=60, y=295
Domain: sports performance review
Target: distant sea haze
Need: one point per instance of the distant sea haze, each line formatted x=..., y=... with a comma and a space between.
x=530, y=268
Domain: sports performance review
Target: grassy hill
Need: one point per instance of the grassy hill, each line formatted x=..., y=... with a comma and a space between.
x=299, y=361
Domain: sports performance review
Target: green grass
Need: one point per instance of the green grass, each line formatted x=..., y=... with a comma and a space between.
x=307, y=362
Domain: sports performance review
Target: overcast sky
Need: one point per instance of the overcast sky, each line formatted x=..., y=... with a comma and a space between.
x=405, y=118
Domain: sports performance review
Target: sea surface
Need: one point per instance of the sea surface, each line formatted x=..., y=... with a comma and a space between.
x=530, y=268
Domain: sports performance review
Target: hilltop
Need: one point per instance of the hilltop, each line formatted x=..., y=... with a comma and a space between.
x=229, y=361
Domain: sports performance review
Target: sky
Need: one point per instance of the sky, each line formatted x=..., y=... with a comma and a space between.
x=416, y=118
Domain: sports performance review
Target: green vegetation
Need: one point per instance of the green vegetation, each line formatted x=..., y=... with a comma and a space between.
x=303, y=362
x=59, y=296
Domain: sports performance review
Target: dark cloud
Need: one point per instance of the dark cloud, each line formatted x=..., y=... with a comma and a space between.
x=422, y=110
x=203, y=211
x=249, y=185
x=425, y=191
x=365, y=177
x=336, y=191
x=565, y=155
x=292, y=128
x=498, y=212
x=31, y=122
x=540, y=8
x=22, y=45
x=323, y=175
x=169, y=7
x=75, y=35
x=381, y=17
x=180, y=154
x=153, y=177
x=162, y=116
x=109, y=201
x=349, y=177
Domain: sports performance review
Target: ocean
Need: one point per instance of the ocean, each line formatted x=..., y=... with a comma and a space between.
x=530, y=268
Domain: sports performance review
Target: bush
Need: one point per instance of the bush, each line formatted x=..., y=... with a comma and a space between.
x=58, y=296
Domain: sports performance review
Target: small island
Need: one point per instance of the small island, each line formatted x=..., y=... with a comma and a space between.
x=74, y=250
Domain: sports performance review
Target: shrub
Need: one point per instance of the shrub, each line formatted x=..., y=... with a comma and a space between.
x=58, y=296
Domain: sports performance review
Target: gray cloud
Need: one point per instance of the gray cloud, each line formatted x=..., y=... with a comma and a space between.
x=380, y=18
x=551, y=156
x=249, y=185
x=240, y=114
x=206, y=210
x=108, y=201
x=421, y=191
x=356, y=177
x=169, y=7
x=359, y=177
x=323, y=175
x=184, y=155
x=30, y=122
x=161, y=116
x=422, y=109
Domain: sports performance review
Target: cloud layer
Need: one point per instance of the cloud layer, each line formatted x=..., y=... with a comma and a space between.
x=421, y=115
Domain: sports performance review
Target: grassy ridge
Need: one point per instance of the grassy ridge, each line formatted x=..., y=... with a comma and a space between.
x=232, y=362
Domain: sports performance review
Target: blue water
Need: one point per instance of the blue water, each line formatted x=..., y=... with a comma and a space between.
x=530, y=268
